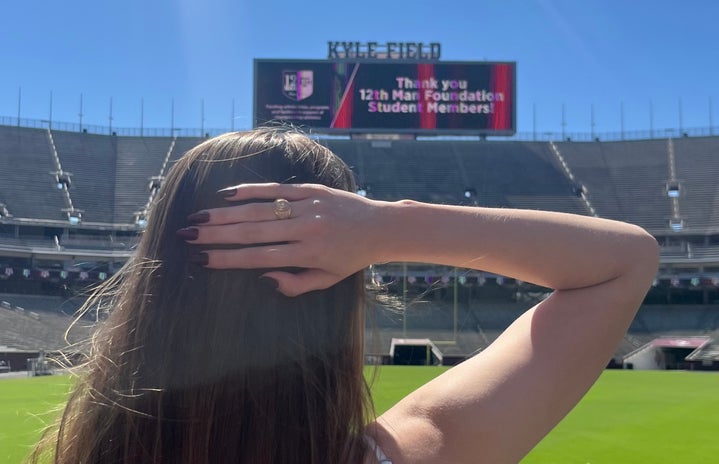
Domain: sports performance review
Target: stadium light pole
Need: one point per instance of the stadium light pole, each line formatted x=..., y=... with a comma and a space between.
x=564, y=122
x=202, y=117
x=621, y=119
x=172, y=117
x=79, y=115
x=711, y=118
x=142, y=115
x=591, y=117
x=19, y=100
x=534, y=121
x=651, y=119
x=232, y=121
x=681, y=118
x=109, y=118
x=49, y=118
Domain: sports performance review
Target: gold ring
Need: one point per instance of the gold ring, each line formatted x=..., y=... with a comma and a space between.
x=282, y=209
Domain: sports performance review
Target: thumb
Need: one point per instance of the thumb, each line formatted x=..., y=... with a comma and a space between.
x=291, y=284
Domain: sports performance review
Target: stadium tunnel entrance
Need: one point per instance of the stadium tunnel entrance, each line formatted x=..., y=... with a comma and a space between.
x=665, y=353
x=415, y=352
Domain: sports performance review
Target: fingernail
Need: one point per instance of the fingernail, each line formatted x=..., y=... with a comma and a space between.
x=188, y=233
x=226, y=193
x=199, y=217
x=200, y=259
x=269, y=282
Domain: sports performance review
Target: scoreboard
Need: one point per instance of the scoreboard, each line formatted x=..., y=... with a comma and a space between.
x=424, y=98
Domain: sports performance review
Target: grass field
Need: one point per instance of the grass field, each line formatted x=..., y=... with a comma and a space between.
x=628, y=416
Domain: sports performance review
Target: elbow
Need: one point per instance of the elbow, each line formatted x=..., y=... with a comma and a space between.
x=645, y=253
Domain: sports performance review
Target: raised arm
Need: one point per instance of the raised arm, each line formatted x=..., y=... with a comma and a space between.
x=496, y=406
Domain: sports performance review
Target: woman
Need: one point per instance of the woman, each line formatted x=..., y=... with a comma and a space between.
x=236, y=333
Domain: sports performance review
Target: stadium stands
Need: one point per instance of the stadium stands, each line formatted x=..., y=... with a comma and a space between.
x=91, y=160
x=39, y=325
x=520, y=175
x=27, y=187
x=138, y=160
x=706, y=356
x=697, y=170
x=625, y=180
x=112, y=179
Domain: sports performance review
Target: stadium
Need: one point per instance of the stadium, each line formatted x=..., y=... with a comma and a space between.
x=73, y=204
x=75, y=199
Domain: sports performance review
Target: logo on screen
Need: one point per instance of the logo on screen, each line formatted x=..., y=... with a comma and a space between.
x=297, y=85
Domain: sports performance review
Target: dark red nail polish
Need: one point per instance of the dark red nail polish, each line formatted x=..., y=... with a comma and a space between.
x=228, y=192
x=200, y=259
x=269, y=282
x=199, y=217
x=188, y=233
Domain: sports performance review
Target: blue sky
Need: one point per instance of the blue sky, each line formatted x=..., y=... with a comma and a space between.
x=607, y=54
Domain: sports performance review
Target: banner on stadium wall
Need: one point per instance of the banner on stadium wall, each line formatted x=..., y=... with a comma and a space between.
x=438, y=98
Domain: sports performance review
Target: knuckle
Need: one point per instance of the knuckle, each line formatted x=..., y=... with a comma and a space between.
x=250, y=258
x=217, y=260
x=318, y=189
x=315, y=225
x=259, y=211
x=250, y=233
x=313, y=254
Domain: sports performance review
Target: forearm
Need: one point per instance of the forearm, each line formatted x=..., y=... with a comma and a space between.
x=556, y=250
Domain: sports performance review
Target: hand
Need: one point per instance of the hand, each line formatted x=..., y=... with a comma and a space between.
x=329, y=233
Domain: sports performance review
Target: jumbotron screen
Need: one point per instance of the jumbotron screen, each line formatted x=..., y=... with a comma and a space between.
x=374, y=97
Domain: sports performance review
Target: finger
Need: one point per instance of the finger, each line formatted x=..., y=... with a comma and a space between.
x=306, y=281
x=271, y=191
x=246, y=233
x=250, y=212
x=259, y=257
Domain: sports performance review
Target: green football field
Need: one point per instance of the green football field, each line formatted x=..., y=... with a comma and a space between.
x=628, y=416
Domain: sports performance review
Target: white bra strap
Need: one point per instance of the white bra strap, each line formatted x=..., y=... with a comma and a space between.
x=381, y=457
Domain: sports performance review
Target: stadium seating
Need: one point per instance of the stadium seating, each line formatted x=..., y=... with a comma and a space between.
x=138, y=160
x=697, y=170
x=34, y=327
x=26, y=185
x=707, y=354
x=182, y=145
x=624, y=180
x=91, y=160
x=520, y=175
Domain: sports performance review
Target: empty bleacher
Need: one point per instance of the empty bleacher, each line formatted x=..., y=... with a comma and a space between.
x=625, y=180
x=707, y=354
x=379, y=169
x=138, y=160
x=697, y=170
x=27, y=187
x=91, y=160
x=182, y=145
x=520, y=175
x=687, y=320
x=588, y=165
x=38, y=324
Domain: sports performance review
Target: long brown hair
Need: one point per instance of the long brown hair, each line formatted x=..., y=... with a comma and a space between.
x=204, y=366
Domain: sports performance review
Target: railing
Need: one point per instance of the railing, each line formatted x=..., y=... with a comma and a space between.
x=691, y=251
x=127, y=244
x=58, y=166
x=568, y=173
x=545, y=136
